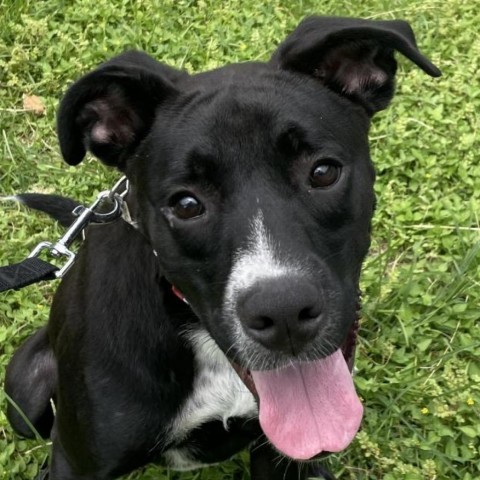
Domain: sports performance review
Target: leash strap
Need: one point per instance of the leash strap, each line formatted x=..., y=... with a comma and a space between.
x=33, y=269
x=28, y=271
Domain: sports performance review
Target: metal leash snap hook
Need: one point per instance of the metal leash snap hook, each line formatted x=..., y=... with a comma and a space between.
x=115, y=196
x=56, y=250
x=85, y=215
x=60, y=248
x=117, y=188
x=110, y=215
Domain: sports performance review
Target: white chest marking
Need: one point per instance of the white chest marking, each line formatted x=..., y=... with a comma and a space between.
x=218, y=393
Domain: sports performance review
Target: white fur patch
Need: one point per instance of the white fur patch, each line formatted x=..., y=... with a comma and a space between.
x=256, y=263
x=218, y=394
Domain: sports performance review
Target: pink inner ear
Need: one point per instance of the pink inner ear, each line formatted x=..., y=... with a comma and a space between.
x=352, y=67
x=114, y=123
x=100, y=133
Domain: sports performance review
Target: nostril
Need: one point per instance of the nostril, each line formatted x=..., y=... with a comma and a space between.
x=308, y=313
x=261, y=322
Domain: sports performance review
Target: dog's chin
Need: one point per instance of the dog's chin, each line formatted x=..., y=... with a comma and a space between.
x=297, y=398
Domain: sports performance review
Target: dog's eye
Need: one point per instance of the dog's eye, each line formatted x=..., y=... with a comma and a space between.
x=324, y=174
x=186, y=207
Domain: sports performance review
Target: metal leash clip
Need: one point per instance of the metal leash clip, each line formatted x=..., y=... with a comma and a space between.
x=86, y=215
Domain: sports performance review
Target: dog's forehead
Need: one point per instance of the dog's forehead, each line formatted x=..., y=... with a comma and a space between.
x=243, y=106
x=235, y=96
x=240, y=89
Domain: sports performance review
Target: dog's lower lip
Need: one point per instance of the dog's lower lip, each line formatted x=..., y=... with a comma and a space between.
x=349, y=345
x=246, y=378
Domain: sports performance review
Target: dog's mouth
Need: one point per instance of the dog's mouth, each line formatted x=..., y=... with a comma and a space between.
x=310, y=408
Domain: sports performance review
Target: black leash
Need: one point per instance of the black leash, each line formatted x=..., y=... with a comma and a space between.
x=33, y=269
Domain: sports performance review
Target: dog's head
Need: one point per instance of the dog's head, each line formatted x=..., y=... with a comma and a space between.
x=255, y=187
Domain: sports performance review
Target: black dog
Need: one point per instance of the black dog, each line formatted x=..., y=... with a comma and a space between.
x=252, y=195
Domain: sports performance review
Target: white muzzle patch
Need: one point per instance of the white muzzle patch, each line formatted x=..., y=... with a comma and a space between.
x=258, y=262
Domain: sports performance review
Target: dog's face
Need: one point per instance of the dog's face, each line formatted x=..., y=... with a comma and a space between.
x=256, y=190
x=254, y=184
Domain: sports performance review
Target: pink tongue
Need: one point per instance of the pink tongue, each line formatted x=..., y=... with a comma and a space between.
x=309, y=407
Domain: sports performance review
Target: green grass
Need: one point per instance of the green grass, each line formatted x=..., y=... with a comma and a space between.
x=418, y=360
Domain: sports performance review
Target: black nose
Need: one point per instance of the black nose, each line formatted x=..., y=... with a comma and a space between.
x=282, y=314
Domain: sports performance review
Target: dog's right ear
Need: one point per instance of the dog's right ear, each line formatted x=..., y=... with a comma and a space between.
x=110, y=110
x=353, y=57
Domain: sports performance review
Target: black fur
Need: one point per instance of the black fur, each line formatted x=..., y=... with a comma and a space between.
x=243, y=142
x=59, y=208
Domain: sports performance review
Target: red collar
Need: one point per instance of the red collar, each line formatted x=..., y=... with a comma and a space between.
x=179, y=294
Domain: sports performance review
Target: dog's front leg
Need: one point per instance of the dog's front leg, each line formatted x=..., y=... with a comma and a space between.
x=267, y=464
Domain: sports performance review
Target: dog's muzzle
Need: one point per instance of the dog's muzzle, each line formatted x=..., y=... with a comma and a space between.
x=311, y=408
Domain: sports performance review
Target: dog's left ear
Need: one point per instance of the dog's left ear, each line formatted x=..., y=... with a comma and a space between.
x=110, y=110
x=353, y=57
